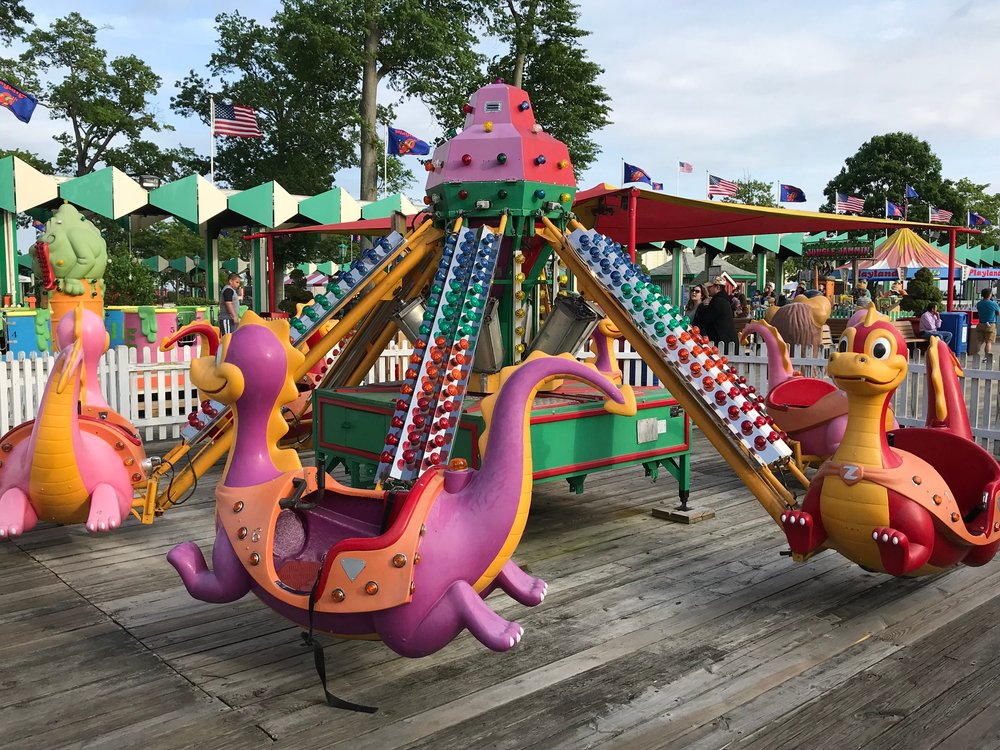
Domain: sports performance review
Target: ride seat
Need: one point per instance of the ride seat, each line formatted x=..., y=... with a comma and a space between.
x=971, y=473
x=799, y=392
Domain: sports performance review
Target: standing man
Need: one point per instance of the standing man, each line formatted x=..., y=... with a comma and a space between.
x=716, y=318
x=229, y=307
x=987, y=327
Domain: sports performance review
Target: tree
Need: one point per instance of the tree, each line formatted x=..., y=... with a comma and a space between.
x=970, y=196
x=143, y=157
x=547, y=60
x=398, y=176
x=882, y=168
x=297, y=93
x=295, y=292
x=922, y=289
x=425, y=50
x=104, y=101
x=752, y=193
x=12, y=15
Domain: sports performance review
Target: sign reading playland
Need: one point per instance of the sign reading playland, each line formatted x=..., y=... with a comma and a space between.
x=845, y=249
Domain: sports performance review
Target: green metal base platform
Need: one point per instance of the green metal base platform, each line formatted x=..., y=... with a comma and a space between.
x=571, y=434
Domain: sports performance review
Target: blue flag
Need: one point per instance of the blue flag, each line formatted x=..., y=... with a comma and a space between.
x=978, y=220
x=892, y=211
x=911, y=193
x=402, y=143
x=18, y=102
x=791, y=194
x=635, y=174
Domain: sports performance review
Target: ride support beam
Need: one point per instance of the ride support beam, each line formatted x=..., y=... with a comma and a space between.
x=9, y=283
x=212, y=288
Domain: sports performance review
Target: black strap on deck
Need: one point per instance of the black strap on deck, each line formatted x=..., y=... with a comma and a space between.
x=320, y=660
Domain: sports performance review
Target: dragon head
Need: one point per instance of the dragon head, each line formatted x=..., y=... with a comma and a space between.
x=256, y=361
x=871, y=357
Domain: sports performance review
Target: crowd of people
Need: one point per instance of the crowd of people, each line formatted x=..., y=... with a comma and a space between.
x=714, y=310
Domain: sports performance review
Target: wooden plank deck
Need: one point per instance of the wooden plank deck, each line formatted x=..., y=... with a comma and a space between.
x=652, y=635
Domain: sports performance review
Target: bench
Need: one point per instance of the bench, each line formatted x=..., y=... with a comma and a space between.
x=907, y=327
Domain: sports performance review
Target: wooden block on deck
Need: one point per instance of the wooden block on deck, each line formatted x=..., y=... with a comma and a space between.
x=691, y=515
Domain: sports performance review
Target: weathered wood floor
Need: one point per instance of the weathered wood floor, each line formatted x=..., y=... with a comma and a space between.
x=653, y=635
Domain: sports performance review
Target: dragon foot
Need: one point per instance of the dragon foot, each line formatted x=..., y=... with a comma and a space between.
x=16, y=513
x=899, y=555
x=105, y=510
x=487, y=626
x=800, y=528
x=228, y=581
x=520, y=586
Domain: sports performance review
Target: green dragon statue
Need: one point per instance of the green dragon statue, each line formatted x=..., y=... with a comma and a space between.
x=69, y=252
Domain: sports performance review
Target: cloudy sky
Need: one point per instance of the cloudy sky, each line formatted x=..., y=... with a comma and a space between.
x=774, y=90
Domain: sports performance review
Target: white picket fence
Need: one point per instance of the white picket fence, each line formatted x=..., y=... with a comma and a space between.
x=157, y=396
x=980, y=385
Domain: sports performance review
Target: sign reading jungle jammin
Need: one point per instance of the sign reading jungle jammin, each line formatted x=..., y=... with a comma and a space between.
x=846, y=250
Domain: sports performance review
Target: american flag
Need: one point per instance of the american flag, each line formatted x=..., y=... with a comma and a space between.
x=719, y=186
x=683, y=166
x=940, y=215
x=233, y=119
x=850, y=203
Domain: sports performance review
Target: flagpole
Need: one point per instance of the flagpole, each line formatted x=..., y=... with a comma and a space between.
x=385, y=162
x=906, y=202
x=211, y=132
x=706, y=186
x=678, y=177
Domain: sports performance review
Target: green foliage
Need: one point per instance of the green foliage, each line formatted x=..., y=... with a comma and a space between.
x=183, y=301
x=545, y=51
x=398, y=177
x=971, y=196
x=883, y=167
x=12, y=15
x=921, y=290
x=103, y=100
x=172, y=239
x=296, y=86
x=144, y=157
x=295, y=292
x=128, y=282
x=425, y=50
x=753, y=192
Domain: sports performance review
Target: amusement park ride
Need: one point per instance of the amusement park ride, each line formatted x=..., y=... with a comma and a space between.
x=483, y=284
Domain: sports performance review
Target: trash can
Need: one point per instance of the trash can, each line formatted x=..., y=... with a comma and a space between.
x=957, y=323
x=22, y=333
x=114, y=323
x=146, y=327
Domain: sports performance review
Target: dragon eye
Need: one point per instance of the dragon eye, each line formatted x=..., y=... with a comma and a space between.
x=842, y=346
x=882, y=348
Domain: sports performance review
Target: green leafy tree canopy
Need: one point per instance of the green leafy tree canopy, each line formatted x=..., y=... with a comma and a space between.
x=922, y=289
x=883, y=167
x=12, y=15
x=104, y=101
x=546, y=59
